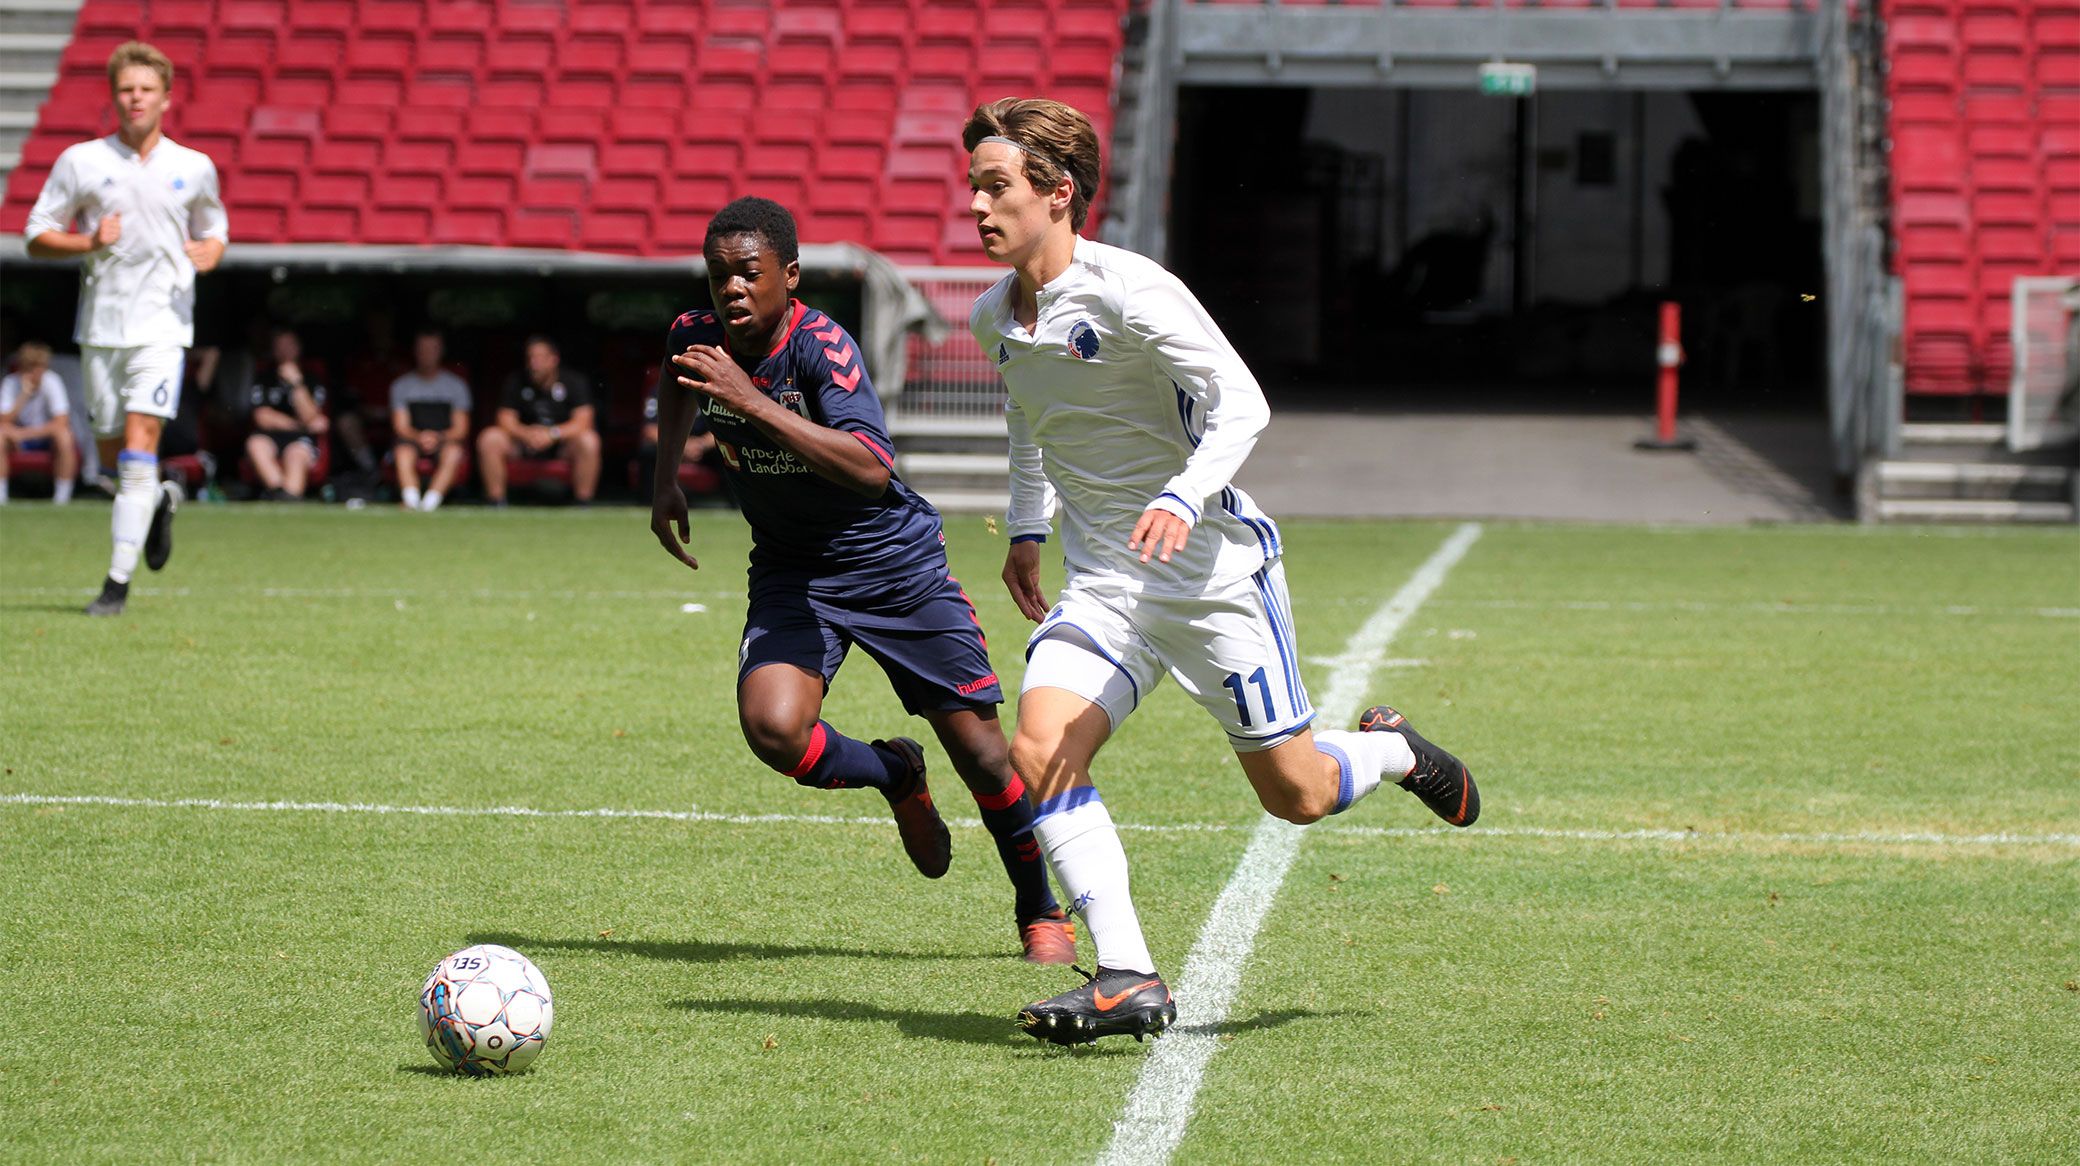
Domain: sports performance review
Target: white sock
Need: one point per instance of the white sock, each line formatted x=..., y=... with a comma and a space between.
x=61, y=491
x=411, y=498
x=1083, y=847
x=431, y=502
x=3, y=491
x=137, y=495
x=1366, y=759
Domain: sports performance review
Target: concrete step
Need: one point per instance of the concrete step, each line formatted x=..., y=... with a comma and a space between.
x=18, y=119
x=995, y=465
x=967, y=501
x=35, y=50
x=1905, y=479
x=1973, y=510
x=908, y=425
x=30, y=18
x=1952, y=433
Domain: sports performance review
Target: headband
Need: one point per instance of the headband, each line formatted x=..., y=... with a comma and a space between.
x=1022, y=148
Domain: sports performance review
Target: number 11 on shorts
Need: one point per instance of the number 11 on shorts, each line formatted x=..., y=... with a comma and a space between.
x=1234, y=683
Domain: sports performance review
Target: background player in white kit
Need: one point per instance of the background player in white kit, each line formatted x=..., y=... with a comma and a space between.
x=1129, y=408
x=150, y=220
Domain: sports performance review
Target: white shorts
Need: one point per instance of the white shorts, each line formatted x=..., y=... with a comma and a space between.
x=1234, y=652
x=144, y=379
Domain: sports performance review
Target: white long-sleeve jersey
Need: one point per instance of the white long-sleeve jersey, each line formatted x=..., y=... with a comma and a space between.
x=141, y=290
x=1125, y=395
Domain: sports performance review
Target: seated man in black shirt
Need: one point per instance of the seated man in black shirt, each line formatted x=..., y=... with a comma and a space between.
x=288, y=414
x=545, y=412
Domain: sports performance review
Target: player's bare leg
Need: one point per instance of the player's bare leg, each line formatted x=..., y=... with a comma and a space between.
x=405, y=457
x=266, y=462
x=780, y=707
x=296, y=470
x=494, y=446
x=974, y=740
x=583, y=450
x=1059, y=734
x=447, y=466
x=64, y=462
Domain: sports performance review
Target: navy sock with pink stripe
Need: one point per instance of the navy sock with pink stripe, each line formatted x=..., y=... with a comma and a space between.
x=836, y=761
x=1009, y=817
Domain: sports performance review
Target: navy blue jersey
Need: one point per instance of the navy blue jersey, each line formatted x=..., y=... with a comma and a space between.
x=802, y=524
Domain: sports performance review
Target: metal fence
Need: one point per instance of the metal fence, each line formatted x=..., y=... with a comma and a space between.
x=951, y=385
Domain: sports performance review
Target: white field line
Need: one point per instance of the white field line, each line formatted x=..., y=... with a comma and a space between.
x=1932, y=838
x=1168, y=1087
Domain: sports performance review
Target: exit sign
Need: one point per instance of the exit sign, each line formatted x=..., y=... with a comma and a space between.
x=1505, y=80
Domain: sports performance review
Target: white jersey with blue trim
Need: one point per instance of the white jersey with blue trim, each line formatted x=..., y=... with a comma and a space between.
x=1125, y=395
x=141, y=290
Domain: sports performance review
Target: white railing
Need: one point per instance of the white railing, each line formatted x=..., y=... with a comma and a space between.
x=951, y=385
x=2044, y=343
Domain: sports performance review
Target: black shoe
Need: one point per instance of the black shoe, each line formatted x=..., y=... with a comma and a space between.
x=158, y=542
x=924, y=833
x=1439, y=778
x=110, y=602
x=1111, y=1003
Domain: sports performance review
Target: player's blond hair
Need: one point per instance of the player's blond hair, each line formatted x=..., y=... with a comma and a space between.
x=132, y=54
x=32, y=354
x=1057, y=139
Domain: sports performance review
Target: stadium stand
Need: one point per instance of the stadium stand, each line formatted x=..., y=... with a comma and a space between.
x=1984, y=95
x=611, y=127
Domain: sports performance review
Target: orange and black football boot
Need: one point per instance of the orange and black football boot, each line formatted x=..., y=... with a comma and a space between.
x=1111, y=1003
x=1439, y=778
x=924, y=834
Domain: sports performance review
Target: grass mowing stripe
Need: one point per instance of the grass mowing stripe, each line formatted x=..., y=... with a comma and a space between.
x=1165, y=1092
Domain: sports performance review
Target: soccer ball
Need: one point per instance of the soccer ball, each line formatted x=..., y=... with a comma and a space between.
x=485, y=1010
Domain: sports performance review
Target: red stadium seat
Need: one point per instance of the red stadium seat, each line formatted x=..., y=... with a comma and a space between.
x=471, y=227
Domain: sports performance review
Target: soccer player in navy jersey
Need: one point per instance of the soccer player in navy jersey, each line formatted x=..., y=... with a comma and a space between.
x=843, y=552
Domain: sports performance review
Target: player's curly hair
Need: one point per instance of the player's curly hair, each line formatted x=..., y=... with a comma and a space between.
x=1057, y=139
x=762, y=217
x=132, y=54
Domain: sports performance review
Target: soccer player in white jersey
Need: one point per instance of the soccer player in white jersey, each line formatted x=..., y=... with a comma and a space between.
x=150, y=220
x=1130, y=411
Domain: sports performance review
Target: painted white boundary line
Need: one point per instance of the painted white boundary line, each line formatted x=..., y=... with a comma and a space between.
x=1166, y=1091
x=1848, y=838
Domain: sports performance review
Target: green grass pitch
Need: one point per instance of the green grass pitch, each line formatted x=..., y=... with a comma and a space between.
x=1780, y=859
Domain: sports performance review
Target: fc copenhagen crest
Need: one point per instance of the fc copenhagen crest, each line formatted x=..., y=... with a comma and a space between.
x=1083, y=340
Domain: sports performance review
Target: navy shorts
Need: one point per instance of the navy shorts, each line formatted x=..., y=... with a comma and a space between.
x=921, y=630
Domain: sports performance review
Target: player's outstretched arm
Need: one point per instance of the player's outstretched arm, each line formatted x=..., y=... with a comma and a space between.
x=667, y=501
x=1022, y=579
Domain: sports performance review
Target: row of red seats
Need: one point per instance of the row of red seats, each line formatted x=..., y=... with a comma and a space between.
x=598, y=125
x=1690, y=5
x=1985, y=178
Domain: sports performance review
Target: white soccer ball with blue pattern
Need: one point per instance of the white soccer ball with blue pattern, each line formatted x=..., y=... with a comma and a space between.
x=485, y=1010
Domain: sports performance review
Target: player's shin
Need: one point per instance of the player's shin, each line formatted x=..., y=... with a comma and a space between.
x=1363, y=760
x=1083, y=846
x=137, y=493
x=1008, y=815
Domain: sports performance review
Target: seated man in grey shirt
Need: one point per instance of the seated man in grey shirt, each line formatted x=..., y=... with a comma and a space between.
x=429, y=413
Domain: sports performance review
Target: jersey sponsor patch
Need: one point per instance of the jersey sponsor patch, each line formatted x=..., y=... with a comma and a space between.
x=1083, y=340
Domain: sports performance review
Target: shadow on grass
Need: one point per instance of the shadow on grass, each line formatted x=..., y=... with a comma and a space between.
x=995, y=1030
x=43, y=607
x=1262, y=1021
x=712, y=952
